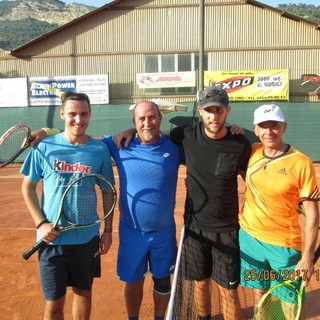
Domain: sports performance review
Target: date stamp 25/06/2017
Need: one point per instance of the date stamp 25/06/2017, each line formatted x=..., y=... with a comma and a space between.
x=277, y=275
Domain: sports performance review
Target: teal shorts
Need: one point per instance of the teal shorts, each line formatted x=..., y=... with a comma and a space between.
x=264, y=265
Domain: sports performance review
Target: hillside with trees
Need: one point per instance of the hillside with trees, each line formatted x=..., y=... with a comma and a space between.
x=309, y=12
x=23, y=20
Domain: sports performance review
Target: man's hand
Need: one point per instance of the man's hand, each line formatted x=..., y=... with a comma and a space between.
x=305, y=269
x=37, y=136
x=105, y=242
x=48, y=233
x=234, y=129
x=125, y=135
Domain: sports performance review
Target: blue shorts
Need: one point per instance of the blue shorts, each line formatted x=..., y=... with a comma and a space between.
x=68, y=265
x=264, y=265
x=140, y=252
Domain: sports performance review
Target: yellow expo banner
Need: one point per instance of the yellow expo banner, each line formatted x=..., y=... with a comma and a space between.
x=251, y=85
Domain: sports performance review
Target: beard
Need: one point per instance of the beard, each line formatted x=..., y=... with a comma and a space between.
x=216, y=129
x=147, y=137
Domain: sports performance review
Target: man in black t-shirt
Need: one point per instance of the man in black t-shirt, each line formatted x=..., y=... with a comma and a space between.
x=214, y=158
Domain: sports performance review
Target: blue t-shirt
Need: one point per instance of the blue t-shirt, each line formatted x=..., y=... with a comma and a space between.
x=148, y=180
x=57, y=162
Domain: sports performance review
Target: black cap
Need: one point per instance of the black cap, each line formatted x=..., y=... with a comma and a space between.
x=213, y=96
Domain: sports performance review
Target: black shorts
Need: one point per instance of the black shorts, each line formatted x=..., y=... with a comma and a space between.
x=68, y=265
x=207, y=254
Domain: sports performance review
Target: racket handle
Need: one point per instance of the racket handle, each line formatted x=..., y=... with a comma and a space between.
x=33, y=249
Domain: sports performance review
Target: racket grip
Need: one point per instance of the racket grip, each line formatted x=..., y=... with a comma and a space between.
x=33, y=249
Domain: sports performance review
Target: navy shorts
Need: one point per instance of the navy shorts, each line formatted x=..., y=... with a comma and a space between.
x=208, y=254
x=68, y=265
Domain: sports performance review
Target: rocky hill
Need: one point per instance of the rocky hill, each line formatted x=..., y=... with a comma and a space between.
x=23, y=20
x=51, y=11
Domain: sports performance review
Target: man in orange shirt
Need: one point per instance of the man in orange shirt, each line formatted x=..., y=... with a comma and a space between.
x=279, y=178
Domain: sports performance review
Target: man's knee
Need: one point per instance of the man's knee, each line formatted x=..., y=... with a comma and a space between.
x=82, y=293
x=162, y=286
x=54, y=309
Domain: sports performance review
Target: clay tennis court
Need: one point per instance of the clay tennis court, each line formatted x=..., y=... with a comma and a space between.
x=20, y=293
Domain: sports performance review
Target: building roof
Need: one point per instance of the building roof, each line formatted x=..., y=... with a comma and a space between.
x=110, y=5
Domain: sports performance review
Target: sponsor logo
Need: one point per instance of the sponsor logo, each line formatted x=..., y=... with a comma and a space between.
x=283, y=171
x=236, y=83
x=63, y=166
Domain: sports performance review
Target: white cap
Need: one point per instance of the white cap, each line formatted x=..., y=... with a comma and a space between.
x=268, y=112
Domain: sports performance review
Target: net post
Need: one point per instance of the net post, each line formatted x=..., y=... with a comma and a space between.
x=175, y=278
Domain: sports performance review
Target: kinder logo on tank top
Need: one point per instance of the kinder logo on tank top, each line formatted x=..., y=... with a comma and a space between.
x=63, y=166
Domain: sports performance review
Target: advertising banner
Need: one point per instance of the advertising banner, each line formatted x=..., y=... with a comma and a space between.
x=310, y=83
x=166, y=80
x=46, y=91
x=13, y=92
x=251, y=85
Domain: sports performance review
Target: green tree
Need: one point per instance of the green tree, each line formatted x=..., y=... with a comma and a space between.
x=15, y=33
x=309, y=12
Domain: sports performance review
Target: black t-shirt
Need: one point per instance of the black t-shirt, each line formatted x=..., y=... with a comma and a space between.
x=212, y=170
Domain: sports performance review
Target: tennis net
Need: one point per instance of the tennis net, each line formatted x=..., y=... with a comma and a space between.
x=182, y=304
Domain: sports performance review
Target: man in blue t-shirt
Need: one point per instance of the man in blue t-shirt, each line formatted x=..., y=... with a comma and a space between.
x=71, y=258
x=148, y=172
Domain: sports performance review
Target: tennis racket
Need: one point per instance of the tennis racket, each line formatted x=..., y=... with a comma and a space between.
x=284, y=300
x=86, y=202
x=13, y=142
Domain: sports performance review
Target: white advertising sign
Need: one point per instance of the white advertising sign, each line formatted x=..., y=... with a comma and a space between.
x=47, y=91
x=166, y=80
x=13, y=92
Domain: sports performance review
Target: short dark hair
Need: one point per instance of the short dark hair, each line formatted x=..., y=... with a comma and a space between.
x=68, y=95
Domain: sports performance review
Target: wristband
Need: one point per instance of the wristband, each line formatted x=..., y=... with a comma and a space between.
x=51, y=131
x=41, y=223
x=107, y=230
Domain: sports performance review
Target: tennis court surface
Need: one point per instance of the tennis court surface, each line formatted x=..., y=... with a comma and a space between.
x=21, y=297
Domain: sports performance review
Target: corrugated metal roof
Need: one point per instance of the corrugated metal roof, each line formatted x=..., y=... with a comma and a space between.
x=114, y=5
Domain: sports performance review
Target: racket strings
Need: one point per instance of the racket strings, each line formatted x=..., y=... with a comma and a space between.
x=107, y=203
x=12, y=143
x=281, y=304
x=88, y=201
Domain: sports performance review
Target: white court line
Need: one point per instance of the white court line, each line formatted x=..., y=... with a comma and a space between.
x=12, y=176
x=34, y=229
x=16, y=176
